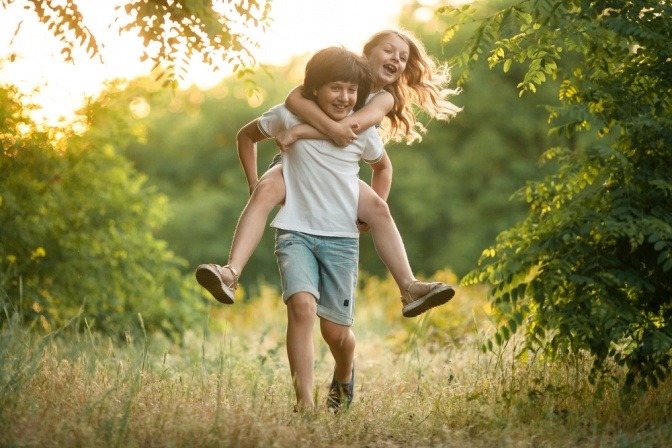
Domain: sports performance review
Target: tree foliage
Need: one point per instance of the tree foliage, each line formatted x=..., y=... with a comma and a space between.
x=589, y=268
x=173, y=32
x=77, y=227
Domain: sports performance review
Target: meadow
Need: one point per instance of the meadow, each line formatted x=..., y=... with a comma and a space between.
x=419, y=382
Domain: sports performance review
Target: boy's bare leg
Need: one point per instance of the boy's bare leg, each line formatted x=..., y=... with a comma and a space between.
x=301, y=314
x=269, y=192
x=341, y=342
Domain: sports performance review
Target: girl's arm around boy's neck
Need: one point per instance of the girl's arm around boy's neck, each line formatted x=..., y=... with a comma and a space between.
x=341, y=132
x=289, y=136
x=374, y=111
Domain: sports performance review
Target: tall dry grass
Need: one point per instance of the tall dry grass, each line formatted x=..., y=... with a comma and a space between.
x=420, y=382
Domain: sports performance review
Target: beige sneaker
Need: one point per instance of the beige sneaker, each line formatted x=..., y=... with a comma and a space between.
x=439, y=293
x=209, y=276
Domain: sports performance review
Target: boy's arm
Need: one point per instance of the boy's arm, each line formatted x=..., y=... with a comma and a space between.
x=246, y=140
x=381, y=176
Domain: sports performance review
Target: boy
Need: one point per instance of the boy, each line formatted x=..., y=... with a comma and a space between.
x=317, y=239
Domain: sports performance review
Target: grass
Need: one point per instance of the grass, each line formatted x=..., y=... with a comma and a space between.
x=420, y=382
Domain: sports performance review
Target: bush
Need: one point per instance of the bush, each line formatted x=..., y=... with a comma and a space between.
x=588, y=270
x=78, y=227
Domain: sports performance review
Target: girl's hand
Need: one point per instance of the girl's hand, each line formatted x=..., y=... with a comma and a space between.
x=343, y=133
x=285, y=139
x=362, y=226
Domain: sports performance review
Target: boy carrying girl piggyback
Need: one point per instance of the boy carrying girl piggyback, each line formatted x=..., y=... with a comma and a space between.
x=317, y=234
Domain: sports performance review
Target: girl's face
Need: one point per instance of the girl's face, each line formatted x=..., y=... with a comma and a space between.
x=336, y=99
x=388, y=59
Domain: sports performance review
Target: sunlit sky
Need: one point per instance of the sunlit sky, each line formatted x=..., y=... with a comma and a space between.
x=298, y=27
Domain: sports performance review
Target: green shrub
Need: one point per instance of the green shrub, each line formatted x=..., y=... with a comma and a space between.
x=588, y=270
x=77, y=233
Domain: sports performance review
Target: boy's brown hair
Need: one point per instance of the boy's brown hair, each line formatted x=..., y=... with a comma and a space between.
x=337, y=64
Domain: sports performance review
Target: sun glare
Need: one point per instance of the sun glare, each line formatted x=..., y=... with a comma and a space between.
x=299, y=27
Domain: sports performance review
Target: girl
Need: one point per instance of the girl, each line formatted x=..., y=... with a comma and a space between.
x=404, y=75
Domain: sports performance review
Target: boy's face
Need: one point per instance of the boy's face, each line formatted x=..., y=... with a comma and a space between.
x=336, y=98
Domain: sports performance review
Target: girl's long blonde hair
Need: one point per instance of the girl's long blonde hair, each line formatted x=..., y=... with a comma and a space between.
x=423, y=85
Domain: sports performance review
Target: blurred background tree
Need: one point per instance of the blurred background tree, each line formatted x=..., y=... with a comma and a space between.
x=189, y=153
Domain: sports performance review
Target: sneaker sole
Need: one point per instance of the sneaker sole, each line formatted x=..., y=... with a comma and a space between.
x=209, y=279
x=435, y=298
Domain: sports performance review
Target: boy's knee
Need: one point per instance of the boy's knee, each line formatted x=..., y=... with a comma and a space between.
x=302, y=306
x=335, y=335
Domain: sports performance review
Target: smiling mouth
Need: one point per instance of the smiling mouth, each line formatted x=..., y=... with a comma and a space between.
x=389, y=68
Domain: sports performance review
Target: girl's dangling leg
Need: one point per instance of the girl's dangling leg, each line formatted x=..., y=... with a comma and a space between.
x=269, y=192
x=416, y=296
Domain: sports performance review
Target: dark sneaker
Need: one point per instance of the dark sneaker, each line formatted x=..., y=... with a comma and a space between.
x=341, y=395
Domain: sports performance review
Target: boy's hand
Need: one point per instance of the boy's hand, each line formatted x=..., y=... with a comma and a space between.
x=362, y=226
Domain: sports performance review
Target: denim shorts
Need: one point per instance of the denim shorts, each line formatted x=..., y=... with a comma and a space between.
x=323, y=266
x=277, y=160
